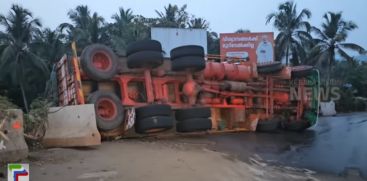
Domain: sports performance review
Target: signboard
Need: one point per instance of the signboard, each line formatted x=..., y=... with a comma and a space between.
x=257, y=47
x=171, y=38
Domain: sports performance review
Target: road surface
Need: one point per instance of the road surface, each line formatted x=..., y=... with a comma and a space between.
x=335, y=145
x=336, y=149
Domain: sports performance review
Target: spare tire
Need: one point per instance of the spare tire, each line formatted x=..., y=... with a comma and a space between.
x=193, y=63
x=153, y=110
x=197, y=112
x=194, y=124
x=298, y=126
x=188, y=50
x=269, y=68
x=109, y=110
x=154, y=124
x=99, y=62
x=144, y=45
x=145, y=59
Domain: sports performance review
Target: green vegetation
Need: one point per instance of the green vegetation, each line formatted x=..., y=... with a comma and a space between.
x=293, y=31
x=353, y=90
x=20, y=66
x=28, y=51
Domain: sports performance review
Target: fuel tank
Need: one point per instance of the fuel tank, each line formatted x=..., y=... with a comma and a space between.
x=229, y=71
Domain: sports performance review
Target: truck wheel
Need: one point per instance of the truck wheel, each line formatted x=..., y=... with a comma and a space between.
x=99, y=62
x=144, y=45
x=194, y=124
x=109, y=110
x=197, y=112
x=194, y=63
x=153, y=110
x=301, y=71
x=154, y=124
x=296, y=125
x=145, y=59
x=188, y=50
x=269, y=68
x=268, y=125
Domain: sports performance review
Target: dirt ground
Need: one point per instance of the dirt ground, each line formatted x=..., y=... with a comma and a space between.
x=156, y=160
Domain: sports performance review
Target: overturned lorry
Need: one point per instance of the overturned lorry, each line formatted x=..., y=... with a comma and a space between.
x=144, y=93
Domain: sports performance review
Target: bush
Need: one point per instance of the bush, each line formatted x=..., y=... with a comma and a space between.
x=5, y=104
x=35, y=121
x=348, y=102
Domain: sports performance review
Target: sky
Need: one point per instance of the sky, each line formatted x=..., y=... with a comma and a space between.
x=224, y=16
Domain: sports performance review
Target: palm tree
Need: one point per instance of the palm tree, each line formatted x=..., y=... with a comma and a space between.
x=242, y=31
x=331, y=40
x=85, y=29
x=292, y=27
x=49, y=45
x=127, y=28
x=213, y=43
x=96, y=29
x=17, y=62
x=173, y=16
x=121, y=30
x=198, y=23
x=124, y=17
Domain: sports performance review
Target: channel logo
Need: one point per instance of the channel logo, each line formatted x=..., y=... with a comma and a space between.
x=18, y=172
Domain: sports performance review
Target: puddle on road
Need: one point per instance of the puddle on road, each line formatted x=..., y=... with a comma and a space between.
x=331, y=147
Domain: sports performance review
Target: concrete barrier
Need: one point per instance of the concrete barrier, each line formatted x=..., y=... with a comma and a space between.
x=327, y=108
x=12, y=144
x=72, y=126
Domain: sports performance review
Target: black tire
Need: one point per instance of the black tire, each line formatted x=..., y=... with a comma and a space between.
x=153, y=110
x=268, y=125
x=143, y=45
x=194, y=124
x=103, y=123
x=106, y=66
x=198, y=112
x=154, y=124
x=301, y=71
x=269, y=68
x=193, y=63
x=188, y=50
x=296, y=126
x=145, y=59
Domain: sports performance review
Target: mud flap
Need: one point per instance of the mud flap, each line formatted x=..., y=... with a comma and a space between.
x=72, y=126
x=12, y=144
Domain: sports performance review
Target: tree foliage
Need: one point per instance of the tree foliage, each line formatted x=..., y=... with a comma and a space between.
x=173, y=16
x=330, y=41
x=292, y=28
x=19, y=66
x=86, y=28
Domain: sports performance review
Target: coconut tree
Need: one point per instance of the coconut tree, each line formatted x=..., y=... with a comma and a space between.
x=173, y=16
x=331, y=40
x=123, y=17
x=49, y=45
x=213, y=43
x=121, y=30
x=17, y=62
x=127, y=28
x=97, y=29
x=242, y=31
x=292, y=27
x=198, y=23
x=85, y=28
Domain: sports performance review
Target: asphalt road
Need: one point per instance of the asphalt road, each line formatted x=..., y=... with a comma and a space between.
x=335, y=145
